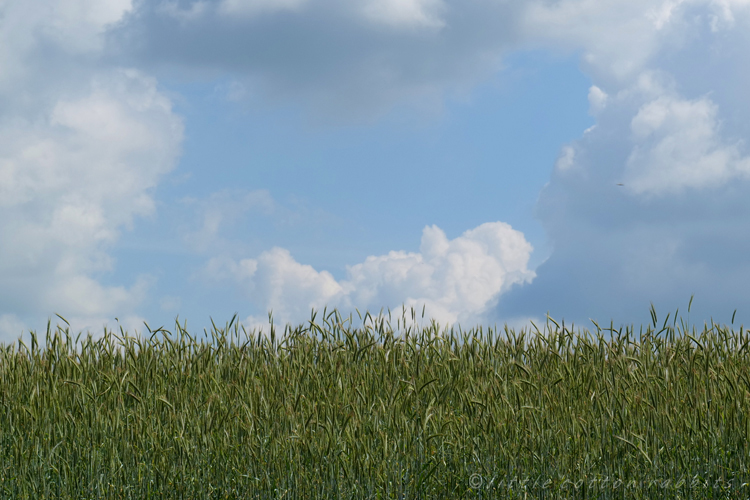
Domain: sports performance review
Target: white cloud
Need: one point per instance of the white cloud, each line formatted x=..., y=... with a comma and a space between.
x=30, y=28
x=457, y=280
x=566, y=159
x=597, y=99
x=670, y=130
x=679, y=146
x=723, y=15
x=82, y=145
x=622, y=38
x=79, y=24
x=662, y=13
x=70, y=180
x=600, y=29
x=289, y=288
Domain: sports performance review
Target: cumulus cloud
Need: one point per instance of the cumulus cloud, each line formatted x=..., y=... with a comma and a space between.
x=599, y=30
x=74, y=24
x=69, y=182
x=455, y=280
x=679, y=146
x=597, y=99
x=650, y=206
x=82, y=146
x=566, y=159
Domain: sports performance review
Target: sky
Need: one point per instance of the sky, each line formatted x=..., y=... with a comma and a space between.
x=490, y=161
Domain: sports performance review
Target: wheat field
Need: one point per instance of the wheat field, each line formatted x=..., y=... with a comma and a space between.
x=378, y=411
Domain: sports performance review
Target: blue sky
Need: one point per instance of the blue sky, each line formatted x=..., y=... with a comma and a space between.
x=493, y=161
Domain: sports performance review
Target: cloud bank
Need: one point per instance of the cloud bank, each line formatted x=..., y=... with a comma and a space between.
x=341, y=60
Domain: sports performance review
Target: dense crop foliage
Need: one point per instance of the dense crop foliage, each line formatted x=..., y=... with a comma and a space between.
x=332, y=411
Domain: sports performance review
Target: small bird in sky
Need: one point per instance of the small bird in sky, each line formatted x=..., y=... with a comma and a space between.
x=620, y=184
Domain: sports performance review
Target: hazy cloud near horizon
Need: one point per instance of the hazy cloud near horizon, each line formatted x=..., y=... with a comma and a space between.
x=88, y=134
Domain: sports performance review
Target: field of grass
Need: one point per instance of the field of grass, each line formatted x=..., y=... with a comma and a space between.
x=384, y=410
